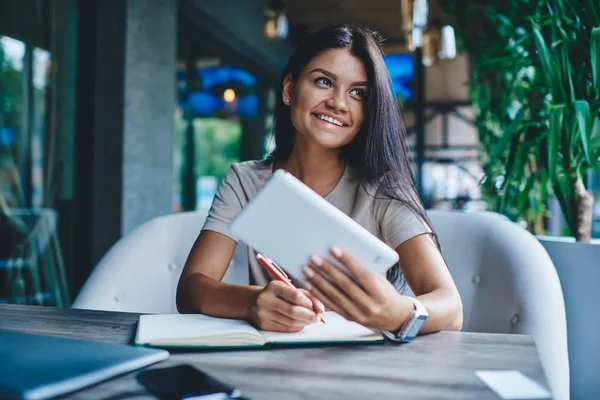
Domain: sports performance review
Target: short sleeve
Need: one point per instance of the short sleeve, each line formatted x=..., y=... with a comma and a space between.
x=225, y=206
x=397, y=222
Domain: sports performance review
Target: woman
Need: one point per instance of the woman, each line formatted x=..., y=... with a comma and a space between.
x=338, y=130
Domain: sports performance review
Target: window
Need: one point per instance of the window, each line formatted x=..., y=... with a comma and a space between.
x=31, y=267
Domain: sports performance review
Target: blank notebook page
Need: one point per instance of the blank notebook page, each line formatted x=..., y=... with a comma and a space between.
x=174, y=327
x=337, y=328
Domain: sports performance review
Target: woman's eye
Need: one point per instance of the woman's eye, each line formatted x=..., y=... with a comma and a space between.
x=360, y=93
x=323, y=81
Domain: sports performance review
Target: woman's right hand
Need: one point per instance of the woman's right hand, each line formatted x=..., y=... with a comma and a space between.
x=281, y=308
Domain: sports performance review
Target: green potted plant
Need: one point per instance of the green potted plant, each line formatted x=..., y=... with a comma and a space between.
x=535, y=88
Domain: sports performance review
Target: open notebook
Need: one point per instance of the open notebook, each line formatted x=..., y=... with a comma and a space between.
x=201, y=331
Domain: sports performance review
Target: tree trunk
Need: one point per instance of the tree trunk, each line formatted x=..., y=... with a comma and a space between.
x=538, y=225
x=584, y=212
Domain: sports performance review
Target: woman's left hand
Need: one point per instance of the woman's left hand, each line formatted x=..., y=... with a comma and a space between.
x=373, y=302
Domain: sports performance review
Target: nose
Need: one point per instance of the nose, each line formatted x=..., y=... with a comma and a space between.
x=337, y=101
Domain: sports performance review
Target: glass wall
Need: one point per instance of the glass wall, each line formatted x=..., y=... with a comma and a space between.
x=220, y=117
x=216, y=145
x=31, y=266
x=12, y=54
x=453, y=185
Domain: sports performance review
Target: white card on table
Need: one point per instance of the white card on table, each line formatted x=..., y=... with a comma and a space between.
x=513, y=385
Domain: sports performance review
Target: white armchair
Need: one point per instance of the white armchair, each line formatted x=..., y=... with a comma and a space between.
x=508, y=284
x=506, y=279
x=140, y=272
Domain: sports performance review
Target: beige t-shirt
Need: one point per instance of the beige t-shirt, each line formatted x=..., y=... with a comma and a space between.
x=388, y=219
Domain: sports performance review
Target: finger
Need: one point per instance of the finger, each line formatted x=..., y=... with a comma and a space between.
x=347, y=285
x=382, y=279
x=274, y=308
x=274, y=303
x=331, y=292
x=268, y=313
x=362, y=275
x=326, y=301
x=384, y=284
x=294, y=316
x=276, y=326
x=294, y=312
x=318, y=306
x=291, y=294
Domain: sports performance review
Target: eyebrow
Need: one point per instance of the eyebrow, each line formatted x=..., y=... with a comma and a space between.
x=335, y=78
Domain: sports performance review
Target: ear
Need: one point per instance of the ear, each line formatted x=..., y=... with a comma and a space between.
x=288, y=86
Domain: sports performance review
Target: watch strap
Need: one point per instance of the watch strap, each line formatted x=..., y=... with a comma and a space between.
x=417, y=316
x=419, y=307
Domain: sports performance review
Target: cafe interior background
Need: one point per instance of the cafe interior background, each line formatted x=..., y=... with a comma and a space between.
x=486, y=88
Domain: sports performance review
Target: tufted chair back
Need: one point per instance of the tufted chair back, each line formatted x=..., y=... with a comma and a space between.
x=140, y=272
x=508, y=284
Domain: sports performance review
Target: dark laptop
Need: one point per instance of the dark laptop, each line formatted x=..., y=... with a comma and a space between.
x=40, y=367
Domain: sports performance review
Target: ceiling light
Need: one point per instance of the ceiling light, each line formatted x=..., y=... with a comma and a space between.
x=276, y=24
x=448, y=43
x=229, y=95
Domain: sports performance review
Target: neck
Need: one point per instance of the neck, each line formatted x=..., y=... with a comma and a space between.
x=317, y=167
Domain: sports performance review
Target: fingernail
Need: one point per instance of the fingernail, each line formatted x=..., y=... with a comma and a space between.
x=307, y=286
x=308, y=272
x=336, y=251
x=317, y=260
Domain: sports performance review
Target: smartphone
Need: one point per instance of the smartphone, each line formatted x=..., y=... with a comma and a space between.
x=185, y=382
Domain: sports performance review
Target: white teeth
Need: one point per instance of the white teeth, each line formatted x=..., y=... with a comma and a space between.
x=330, y=120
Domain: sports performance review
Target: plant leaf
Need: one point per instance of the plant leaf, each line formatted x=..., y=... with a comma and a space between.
x=506, y=137
x=564, y=205
x=596, y=130
x=547, y=63
x=514, y=154
x=595, y=144
x=525, y=194
x=512, y=179
x=593, y=11
x=582, y=113
x=566, y=68
x=543, y=187
x=556, y=121
x=595, y=59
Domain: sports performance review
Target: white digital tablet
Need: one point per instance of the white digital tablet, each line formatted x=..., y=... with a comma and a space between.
x=288, y=222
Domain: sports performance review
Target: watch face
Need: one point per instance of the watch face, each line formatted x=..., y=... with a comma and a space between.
x=412, y=330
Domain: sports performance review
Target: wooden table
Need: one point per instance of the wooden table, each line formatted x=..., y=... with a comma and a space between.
x=437, y=366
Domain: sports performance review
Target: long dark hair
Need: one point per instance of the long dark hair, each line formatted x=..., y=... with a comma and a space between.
x=378, y=151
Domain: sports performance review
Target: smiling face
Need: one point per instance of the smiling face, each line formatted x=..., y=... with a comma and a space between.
x=327, y=98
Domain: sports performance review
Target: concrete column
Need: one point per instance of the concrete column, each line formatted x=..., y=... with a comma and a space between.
x=131, y=138
x=149, y=104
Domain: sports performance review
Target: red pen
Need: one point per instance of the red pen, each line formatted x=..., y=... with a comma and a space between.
x=277, y=272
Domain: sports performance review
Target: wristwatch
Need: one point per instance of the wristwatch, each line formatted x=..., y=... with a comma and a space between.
x=409, y=330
